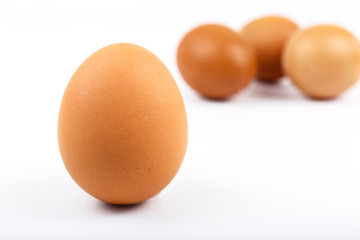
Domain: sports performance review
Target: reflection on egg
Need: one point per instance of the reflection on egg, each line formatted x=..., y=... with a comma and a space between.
x=215, y=61
x=122, y=127
x=268, y=36
x=323, y=61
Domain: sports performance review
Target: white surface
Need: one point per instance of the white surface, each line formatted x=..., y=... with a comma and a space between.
x=269, y=164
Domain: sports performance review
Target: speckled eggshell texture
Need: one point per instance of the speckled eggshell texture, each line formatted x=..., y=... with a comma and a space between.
x=122, y=128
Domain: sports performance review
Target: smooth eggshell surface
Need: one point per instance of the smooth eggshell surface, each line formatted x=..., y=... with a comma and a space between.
x=215, y=61
x=122, y=127
x=323, y=61
x=268, y=36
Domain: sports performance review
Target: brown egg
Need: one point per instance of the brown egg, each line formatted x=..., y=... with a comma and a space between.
x=323, y=61
x=215, y=61
x=122, y=127
x=268, y=36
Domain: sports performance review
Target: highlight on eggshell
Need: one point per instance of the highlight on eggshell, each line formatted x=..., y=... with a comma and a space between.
x=323, y=61
x=216, y=61
x=268, y=35
x=122, y=127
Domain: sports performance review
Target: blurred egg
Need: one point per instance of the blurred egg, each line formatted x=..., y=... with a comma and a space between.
x=323, y=61
x=122, y=128
x=215, y=61
x=268, y=36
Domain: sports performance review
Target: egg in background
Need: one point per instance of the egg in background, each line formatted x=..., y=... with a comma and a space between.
x=215, y=61
x=268, y=36
x=323, y=61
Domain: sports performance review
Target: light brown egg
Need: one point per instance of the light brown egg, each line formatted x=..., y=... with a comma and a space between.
x=122, y=127
x=323, y=61
x=215, y=61
x=268, y=36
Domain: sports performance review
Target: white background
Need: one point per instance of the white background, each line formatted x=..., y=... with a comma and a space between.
x=268, y=164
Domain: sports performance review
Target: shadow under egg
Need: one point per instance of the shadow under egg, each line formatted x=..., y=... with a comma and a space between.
x=117, y=208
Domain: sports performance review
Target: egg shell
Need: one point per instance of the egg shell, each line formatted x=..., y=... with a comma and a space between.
x=323, y=61
x=215, y=61
x=268, y=36
x=122, y=128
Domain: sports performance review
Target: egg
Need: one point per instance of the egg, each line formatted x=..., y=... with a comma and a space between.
x=323, y=61
x=268, y=36
x=215, y=61
x=122, y=127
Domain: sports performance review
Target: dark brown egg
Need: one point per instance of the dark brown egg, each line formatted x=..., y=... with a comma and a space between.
x=268, y=36
x=215, y=61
